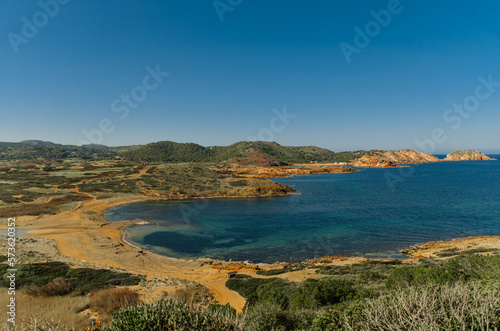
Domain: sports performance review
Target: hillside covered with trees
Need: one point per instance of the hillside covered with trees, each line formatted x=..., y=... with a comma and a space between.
x=245, y=152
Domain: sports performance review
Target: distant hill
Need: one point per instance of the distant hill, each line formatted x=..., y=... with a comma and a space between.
x=245, y=152
x=95, y=146
x=38, y=143
x=33, y=150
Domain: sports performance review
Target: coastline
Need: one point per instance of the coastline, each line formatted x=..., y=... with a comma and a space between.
x=84, y=234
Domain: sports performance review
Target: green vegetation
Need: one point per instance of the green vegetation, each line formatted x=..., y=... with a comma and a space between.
x=82, y=280
x=172, y=315
x=26, y=151
x=274, y=272
x=371, y=266
x=462, y=293
x=245, y=152
x=308, y=295
x=325, y=292
x=258, y=153
x=459, y=269
x=272, y=290
x=455, y=252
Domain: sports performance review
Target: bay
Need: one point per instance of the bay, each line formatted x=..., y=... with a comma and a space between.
x=372, y=212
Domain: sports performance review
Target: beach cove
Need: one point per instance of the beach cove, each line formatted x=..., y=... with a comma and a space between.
x=83, y=235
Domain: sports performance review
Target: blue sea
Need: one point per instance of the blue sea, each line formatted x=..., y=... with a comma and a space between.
x=372, y=212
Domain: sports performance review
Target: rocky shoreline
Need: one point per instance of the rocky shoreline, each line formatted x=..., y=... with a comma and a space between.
x=391, y=159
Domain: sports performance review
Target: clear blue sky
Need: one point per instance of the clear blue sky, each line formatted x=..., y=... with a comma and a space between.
x=227, y=75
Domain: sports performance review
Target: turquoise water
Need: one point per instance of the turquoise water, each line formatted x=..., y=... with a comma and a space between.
x=373, y=212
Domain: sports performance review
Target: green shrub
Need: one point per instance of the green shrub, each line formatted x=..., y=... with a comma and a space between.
x=274, y=295
x=37, y=274
x=87, y=279
x=274, y=272
x=384, y=267
x=169, y=315
x=329, y=320
x=267, y=316
x=319, y=293
x=460, y=268
x=83, y=280
x=369, y=276
x=257, y=289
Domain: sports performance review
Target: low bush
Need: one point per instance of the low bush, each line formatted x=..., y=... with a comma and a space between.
x=273, y=290
x=369, y=276
x=225, y=310
x=194, y=294
x=37, y=274
x=87, y=279
x=268, y=316
x=84, y=280
x=56, y=287
x=382, y=267
x=170, y=315
x=274, y=272
x=109, y=301
x=320, y=293
x=460, y=268
x=272, y=294
x=447, y=307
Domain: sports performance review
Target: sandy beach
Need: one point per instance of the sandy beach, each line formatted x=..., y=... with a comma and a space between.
x=83, y=235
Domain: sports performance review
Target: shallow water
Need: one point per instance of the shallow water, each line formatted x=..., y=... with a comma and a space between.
x=373, y=212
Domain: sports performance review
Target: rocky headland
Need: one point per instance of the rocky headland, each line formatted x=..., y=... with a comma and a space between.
x=394, y=158
x=283, y=171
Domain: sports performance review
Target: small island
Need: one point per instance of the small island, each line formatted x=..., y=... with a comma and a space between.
x=467, y=155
